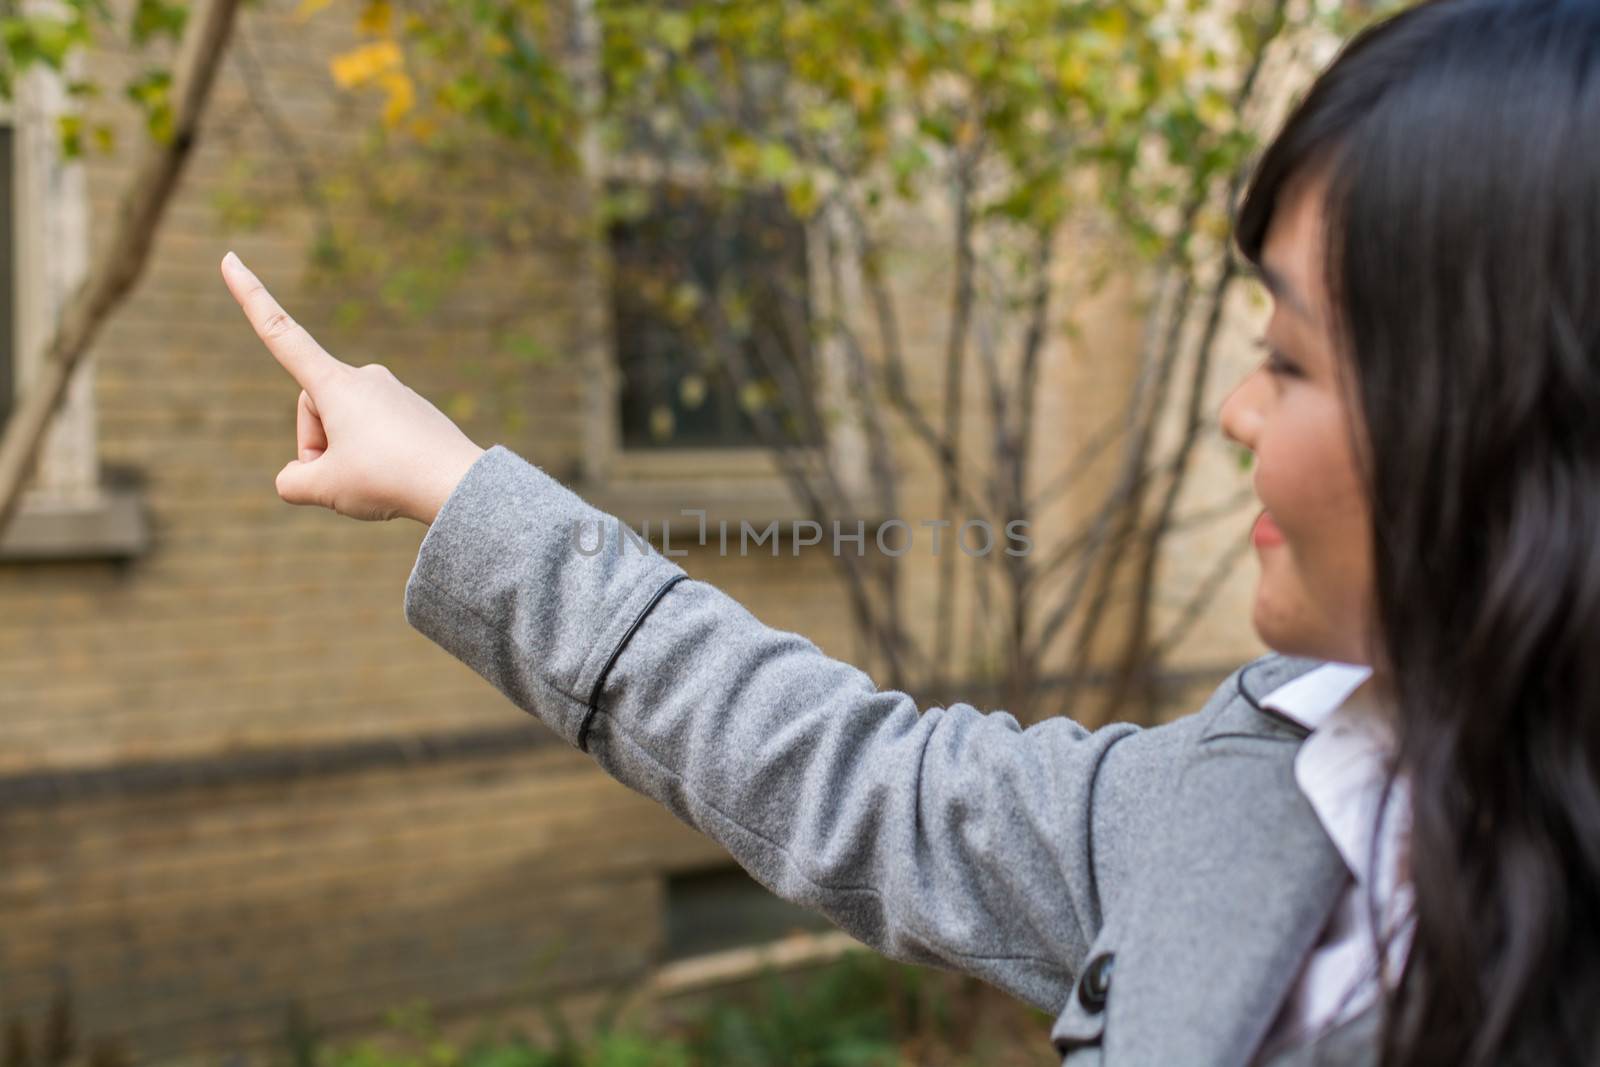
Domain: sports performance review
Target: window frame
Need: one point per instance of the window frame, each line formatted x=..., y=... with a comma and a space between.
x=66, y=510
x=808, y=945
x=731, y=482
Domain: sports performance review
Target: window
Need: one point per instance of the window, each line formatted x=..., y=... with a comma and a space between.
x=723, y=908
x=673, y=375
x=693, y=371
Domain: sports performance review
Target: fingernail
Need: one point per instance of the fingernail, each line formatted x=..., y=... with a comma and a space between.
x=231, y=260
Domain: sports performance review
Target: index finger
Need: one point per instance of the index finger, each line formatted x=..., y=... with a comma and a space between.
x=305, y=360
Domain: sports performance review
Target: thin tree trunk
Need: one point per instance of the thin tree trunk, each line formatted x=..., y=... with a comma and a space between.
x=955, y=361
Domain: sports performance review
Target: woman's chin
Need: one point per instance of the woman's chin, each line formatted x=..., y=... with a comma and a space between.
x=1290, y=640
x=1278, y=629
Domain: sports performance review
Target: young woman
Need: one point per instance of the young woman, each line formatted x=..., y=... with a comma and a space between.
x=1378, y=844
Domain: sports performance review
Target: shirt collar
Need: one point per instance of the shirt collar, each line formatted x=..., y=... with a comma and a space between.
x=1341, y=766
x=1316, y=694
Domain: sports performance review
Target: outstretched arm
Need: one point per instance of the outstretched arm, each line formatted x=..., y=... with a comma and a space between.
x=944, y=836
x=947, y=836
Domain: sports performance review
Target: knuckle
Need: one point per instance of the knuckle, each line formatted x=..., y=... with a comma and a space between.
x=277, y=325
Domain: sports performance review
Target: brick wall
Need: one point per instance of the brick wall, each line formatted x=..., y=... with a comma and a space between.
x=233, y=778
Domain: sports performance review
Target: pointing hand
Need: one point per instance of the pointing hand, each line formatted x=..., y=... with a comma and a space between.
x=368, y=446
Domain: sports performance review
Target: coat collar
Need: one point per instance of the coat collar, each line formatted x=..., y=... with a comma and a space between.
x=1244, y=882
x=1261, y=676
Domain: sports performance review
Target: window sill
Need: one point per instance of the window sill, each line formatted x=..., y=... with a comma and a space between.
x=729, y=485
x=110, y=526
x=757, y=502
x=741, y=465
x=658, y=502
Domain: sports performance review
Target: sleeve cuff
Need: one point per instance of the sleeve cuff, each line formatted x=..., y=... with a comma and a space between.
x=503, y=582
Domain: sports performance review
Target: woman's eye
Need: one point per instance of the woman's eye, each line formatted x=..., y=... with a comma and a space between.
x=1277, y=363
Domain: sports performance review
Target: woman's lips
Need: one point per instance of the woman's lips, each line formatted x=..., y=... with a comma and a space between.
x=1265, y=532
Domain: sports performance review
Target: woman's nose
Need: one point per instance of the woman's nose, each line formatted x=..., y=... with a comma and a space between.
x=1240, y=416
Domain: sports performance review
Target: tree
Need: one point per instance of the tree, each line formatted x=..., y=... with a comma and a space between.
x=1012, y=116
x=174, y=103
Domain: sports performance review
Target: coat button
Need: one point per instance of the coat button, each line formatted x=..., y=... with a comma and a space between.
x=1096, y=982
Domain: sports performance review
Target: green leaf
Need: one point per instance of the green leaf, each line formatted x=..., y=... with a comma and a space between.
x=529, y=349
x=152, y=92
x=675, y=30
x=157, y=18
x=70, y=128
x=777, y=161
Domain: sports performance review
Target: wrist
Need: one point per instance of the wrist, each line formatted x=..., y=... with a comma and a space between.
x=451, y=471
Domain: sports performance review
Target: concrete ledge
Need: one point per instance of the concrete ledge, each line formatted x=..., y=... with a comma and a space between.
x=741, y=964
x=112, y=526
x=281, y=765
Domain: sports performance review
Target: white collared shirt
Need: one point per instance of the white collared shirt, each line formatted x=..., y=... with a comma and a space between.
x=1341, y=768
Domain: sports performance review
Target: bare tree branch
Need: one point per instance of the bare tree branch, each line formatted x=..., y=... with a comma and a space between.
x=1221, y=569
x=955, y=361
x=1135, y=661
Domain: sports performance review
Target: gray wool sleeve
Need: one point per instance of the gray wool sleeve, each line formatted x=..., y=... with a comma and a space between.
x=944, y=835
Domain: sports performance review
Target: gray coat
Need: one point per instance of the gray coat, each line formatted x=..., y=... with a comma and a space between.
x=1156, y=889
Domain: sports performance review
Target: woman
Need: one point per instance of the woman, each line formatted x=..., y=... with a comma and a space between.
x=1380, y=843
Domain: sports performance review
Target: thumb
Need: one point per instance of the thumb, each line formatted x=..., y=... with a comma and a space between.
x=300, y=482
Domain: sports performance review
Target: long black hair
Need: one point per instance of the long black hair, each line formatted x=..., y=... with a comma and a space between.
x=1460, y=142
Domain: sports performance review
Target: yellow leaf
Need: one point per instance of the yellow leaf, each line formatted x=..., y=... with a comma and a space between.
x=1074, y=74
x=361, y=65
x=402, y=95
x=752, y=397
x=497, y=45
x=1112, y=22
x=376, y=17
x=692, y=391
x=307, y=8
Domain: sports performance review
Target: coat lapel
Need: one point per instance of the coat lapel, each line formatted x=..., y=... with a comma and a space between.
x=1245, y=881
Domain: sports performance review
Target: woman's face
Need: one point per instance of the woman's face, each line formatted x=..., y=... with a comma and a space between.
x=1313, y=541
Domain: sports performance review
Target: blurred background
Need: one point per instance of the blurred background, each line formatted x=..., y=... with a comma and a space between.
x=880, y=265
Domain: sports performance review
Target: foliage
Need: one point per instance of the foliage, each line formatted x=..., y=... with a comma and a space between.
x=863, y=1011
x=50, y=36
x=818, y=95
x=56, y=1041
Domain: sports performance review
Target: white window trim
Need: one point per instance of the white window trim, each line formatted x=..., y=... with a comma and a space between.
x=65, y=510
x=51, y=214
